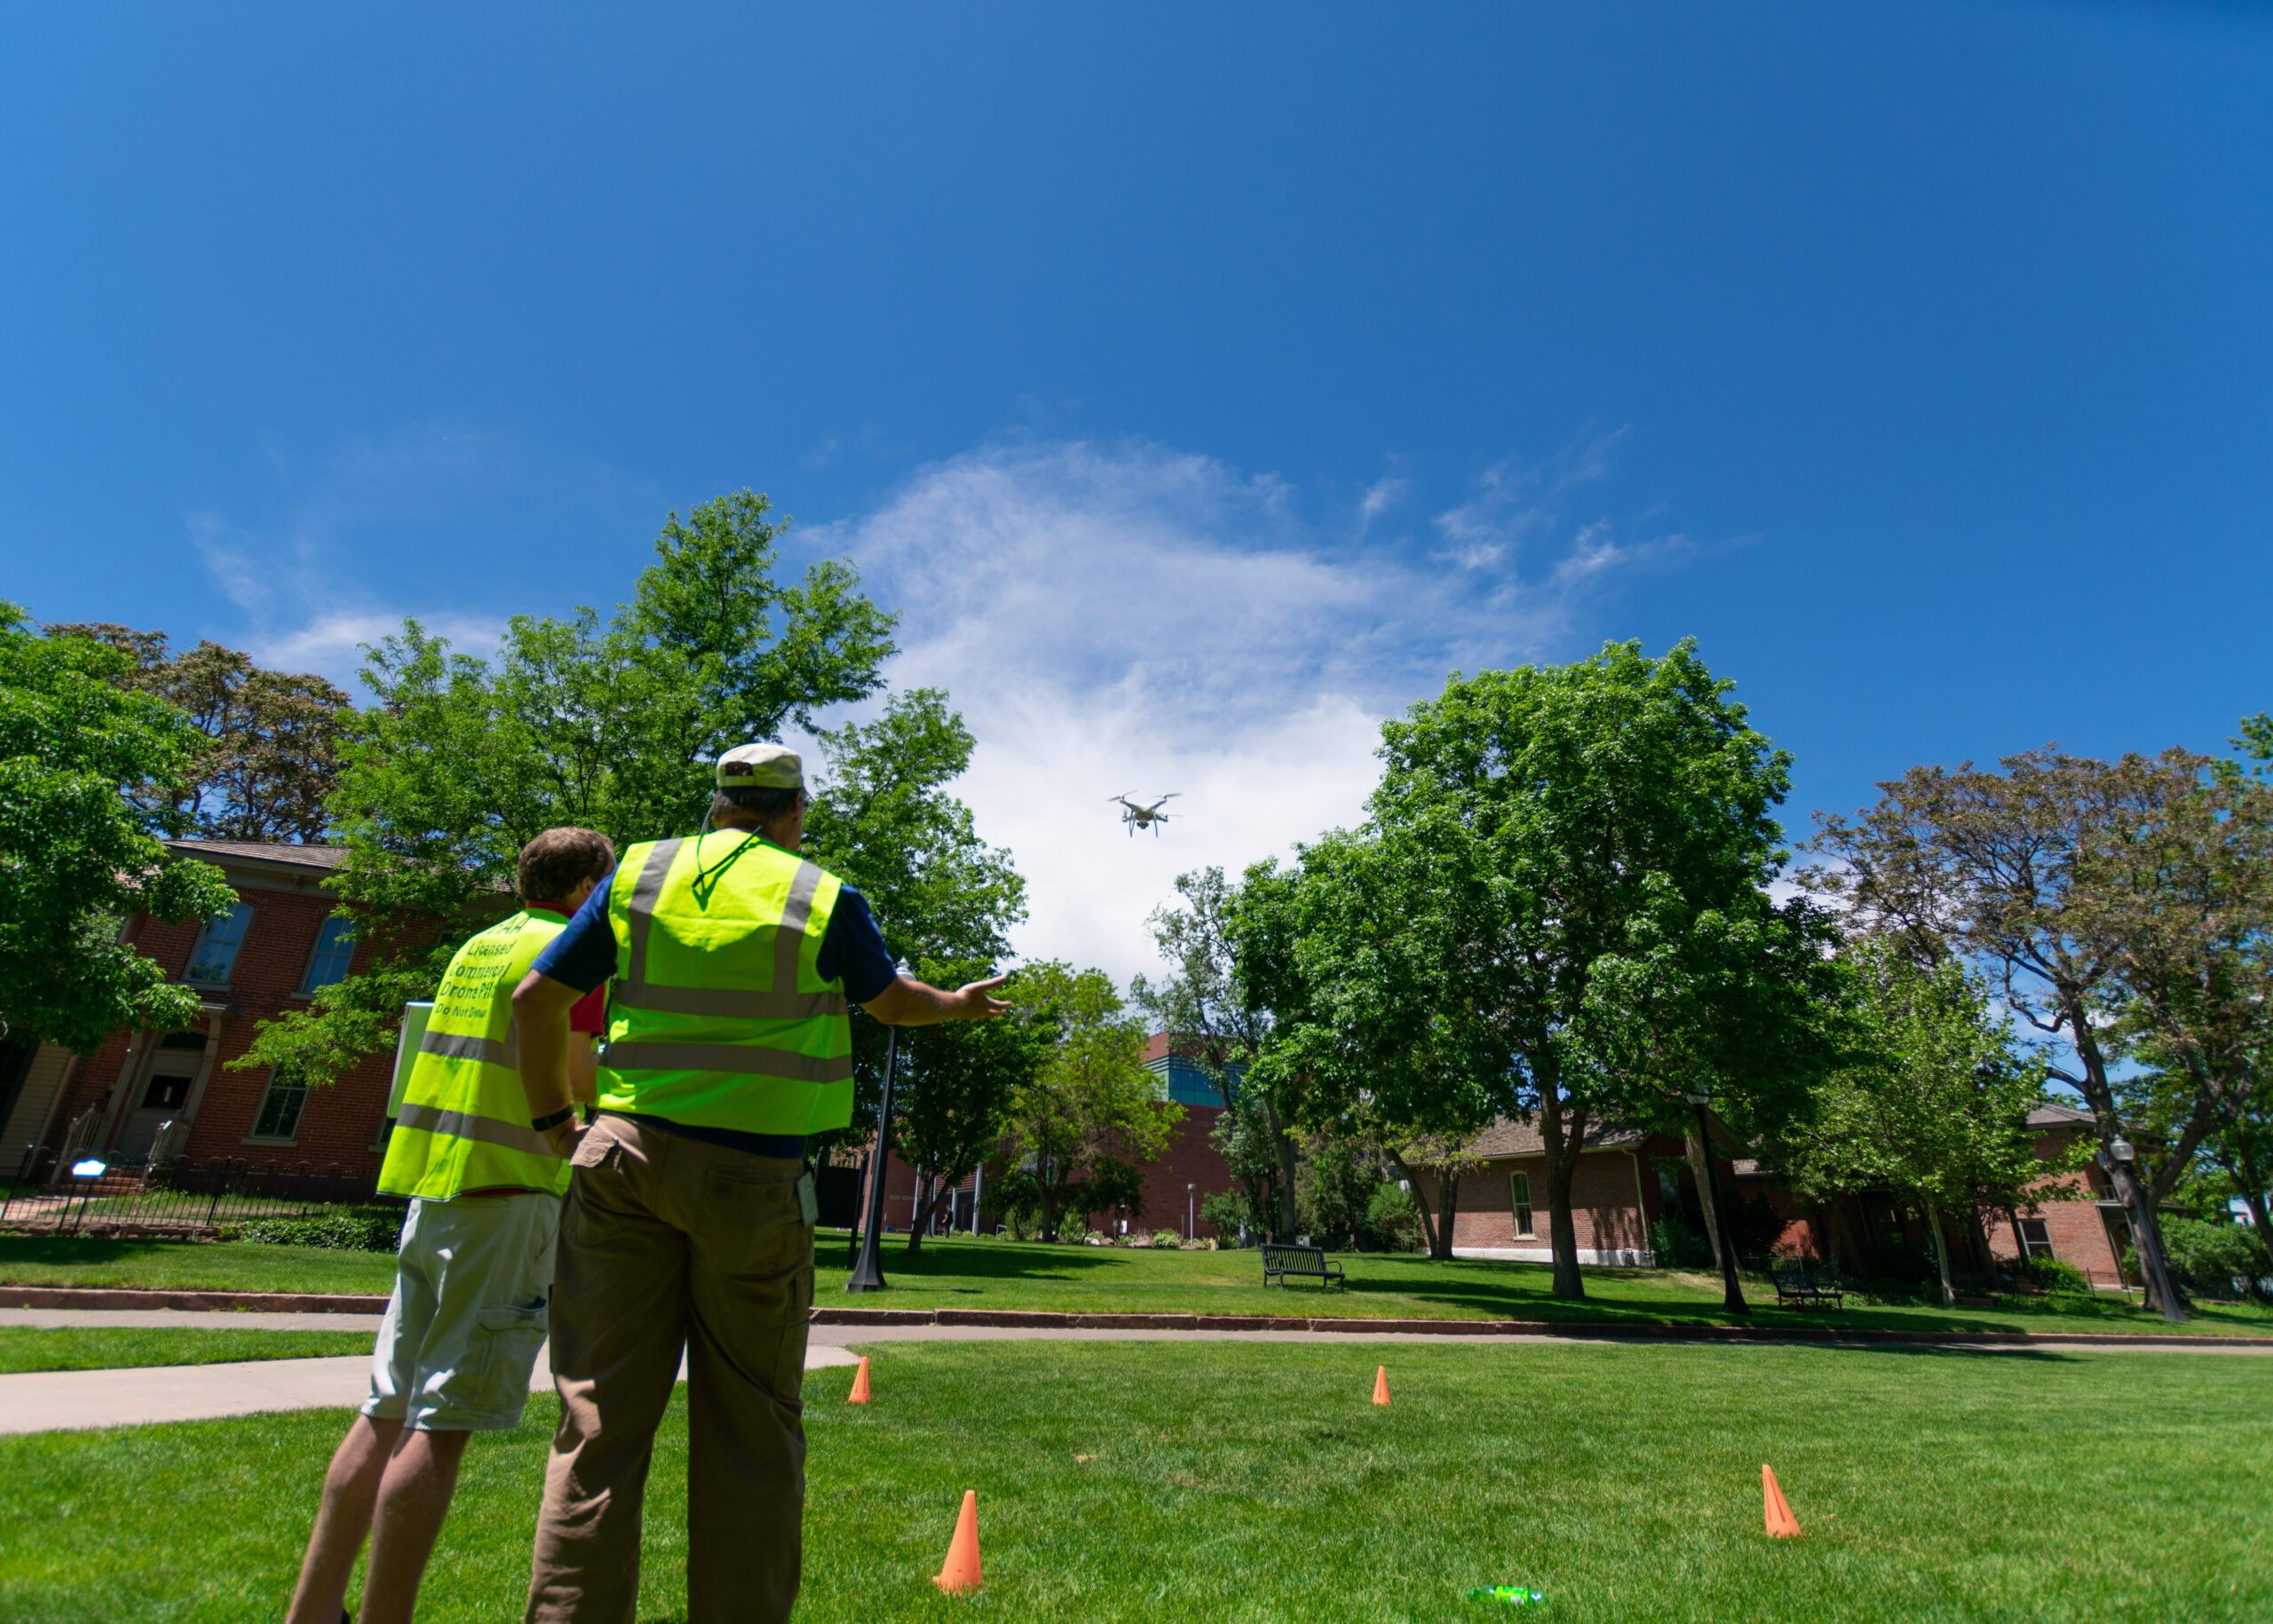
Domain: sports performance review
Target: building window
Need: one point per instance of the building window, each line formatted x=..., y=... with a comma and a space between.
x=278, y=1120
x=1519, y=1187
x=216, y=953
x=335, y=946
x=2036, y=1237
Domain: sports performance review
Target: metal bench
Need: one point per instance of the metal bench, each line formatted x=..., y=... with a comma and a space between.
x=1795, y=1287
x=1281, y=1262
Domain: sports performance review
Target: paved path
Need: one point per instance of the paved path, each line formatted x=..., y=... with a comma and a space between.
x=61, y=1400
x=57, y=1400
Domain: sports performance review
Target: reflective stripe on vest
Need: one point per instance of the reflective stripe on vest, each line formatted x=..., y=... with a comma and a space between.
x=463, y=1121
x=717, y=1016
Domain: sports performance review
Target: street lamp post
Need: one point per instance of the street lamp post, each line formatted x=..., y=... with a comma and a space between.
x=1732, y=1293
x=868, y=1274
x=1191, y=1224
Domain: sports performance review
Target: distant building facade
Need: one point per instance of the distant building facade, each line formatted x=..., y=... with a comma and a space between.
x=266, y=956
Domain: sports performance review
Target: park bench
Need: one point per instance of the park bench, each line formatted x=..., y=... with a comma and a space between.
x=1796, y=1287
x=1309, y=1263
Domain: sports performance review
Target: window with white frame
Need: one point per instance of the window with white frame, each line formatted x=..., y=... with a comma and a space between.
x=1519, y=1192
x=2036, y=1237
x=214, y=957
x=277, y=1119
x=335, y=947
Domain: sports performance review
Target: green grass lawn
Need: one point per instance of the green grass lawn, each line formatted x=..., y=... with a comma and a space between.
x=1000, y=1274
x=1255, y=1482
x=114, y=1348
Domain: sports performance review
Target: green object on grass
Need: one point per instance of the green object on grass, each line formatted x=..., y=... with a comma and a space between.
x=1512, y=1595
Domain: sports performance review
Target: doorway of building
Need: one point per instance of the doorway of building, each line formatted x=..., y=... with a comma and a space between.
x=173, y=1071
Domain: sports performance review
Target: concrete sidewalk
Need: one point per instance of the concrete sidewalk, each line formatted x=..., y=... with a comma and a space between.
x=67, y=1400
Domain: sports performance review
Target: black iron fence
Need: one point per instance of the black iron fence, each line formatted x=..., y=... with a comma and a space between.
x=185, y=1196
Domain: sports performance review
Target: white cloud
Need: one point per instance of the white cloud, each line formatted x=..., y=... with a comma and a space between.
x=332, y=641
x=1380, y=497
x=1123, y=617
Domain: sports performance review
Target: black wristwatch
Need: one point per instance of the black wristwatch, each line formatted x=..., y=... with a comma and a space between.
x=546, y=1124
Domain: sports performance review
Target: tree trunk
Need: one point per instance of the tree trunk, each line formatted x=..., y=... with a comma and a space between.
x=1848, y=1250
x=1694, y=1142
x=926, y=1210
x=1420, y=1201
x=1441, y=1248
x=2138, y=1200
x=1562, y=1166
x=1285, y=1149
x=2147, y=1240
x=1940, y=1251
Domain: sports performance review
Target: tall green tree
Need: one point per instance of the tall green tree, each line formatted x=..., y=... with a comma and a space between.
x=1212, y=1004
x=272, y=753
x=611, y=724
x=2115, y=903
x=1092, y=1107
x=953, y=1088
x=1932, y=1098
x=1535, y=830
x=90, y=770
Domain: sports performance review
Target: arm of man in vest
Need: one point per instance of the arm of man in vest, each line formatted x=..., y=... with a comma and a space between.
x=906, y=1001
x=541, y=1007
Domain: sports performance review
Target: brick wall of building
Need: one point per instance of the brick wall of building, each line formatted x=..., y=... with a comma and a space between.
x=338, y=1125
x=1613, y=1202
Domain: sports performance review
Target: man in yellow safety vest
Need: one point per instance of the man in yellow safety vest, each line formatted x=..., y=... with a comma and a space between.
x=473, y=1279
x=688, y=1229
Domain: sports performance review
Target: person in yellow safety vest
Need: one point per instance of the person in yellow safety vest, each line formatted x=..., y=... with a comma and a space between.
x=473, y=1278
x=688, y=1229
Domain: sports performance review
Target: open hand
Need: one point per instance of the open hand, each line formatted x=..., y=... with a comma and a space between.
x=977, y=1000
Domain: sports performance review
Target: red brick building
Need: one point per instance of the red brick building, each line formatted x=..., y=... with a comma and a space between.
x=266, y=957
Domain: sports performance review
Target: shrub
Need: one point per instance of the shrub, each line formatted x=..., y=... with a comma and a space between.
x=1393, y=1220
x=1016, y=1199
x=1678, y=1245
x=1227, y=1211
x=358, y=1231
x=2055, y=1279
x=2207, y=1257
x=1167, y=1238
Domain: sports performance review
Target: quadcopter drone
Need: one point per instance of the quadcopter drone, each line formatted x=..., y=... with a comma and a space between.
x=1139, y=816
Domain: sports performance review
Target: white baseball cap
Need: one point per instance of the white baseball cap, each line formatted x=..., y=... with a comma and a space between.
x=761, y=767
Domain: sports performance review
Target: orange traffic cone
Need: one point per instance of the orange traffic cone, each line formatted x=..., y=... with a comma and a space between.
x=960, y=1571
x=859, y=1393
x=1781, y=1524
x=1381, y=1384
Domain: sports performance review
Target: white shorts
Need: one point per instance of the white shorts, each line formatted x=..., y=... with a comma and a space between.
x=472, y=1304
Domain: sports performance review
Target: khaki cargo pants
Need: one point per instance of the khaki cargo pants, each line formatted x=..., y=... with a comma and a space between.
x=669, y=1244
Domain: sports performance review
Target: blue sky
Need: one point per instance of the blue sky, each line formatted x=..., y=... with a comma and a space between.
x=1201, y=383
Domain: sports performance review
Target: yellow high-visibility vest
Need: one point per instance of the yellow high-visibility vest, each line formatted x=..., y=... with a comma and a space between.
x=464, y=1120
x=718, y=1016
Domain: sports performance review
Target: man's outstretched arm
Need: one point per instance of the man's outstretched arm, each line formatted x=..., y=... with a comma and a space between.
x=906, y=1001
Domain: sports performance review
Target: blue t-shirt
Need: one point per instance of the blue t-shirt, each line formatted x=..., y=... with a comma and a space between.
x=851, y=951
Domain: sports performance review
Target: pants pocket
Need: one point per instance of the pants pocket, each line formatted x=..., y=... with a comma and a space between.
x=506, y=1341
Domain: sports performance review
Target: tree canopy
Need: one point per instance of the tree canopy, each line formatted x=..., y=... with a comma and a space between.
x=1091, y=1110
x=613, y=723
x=92, y=774
x=1547, y=842
x=272, y=758
x=2122, y=909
